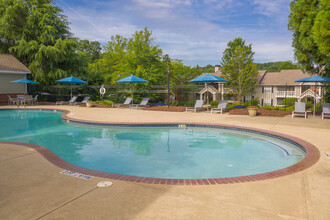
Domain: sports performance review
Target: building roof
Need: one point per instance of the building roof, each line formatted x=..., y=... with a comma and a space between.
x=9, y=64
x=283, y=77
x=275, y=78
x=218, y=73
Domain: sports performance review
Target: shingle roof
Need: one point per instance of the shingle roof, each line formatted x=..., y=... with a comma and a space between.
x=283, y=77
x=10, y=63
x=218, y=73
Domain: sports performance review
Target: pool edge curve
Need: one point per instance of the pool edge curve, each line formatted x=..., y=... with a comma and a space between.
x=311, y=157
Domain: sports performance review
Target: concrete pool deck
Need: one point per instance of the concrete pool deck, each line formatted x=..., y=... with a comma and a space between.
x=32, y=188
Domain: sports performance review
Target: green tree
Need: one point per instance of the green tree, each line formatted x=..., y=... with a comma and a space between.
x=144, y=58
x=309, y=22
x=277, y=66
x=37, y=33
x=90, y=48
x=206, y=69
x=238, y=67
x=114, y=60
x=136, y=55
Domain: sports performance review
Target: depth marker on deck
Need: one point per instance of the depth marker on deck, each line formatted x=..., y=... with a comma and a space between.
x=75, y=174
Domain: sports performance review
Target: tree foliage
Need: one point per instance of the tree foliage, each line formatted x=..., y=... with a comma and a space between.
x=137, y=55
x=238, y=67
x=277, y=66
x=91, y=48
x=309, y=22
x=37, y=33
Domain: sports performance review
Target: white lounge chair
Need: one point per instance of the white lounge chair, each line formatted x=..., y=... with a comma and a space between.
x=299, y=109
x=82, y=102
x=198, y=106
x=73, y=99
x=35, y=99
x=126, y=103
x=326, y=110
x=144, y=103
x=11, y=100
x=221, y=106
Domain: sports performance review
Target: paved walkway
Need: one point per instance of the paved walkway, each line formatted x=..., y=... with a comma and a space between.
x=33, y=188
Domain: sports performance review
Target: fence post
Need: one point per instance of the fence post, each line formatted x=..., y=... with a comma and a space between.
x=168, y=88
x=286, y=87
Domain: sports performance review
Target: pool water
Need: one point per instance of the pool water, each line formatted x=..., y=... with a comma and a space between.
x=157, y=151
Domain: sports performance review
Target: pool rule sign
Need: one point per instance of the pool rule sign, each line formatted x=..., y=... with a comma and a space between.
x=102, y=91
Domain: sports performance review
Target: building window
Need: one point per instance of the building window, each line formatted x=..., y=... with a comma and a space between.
x=267, y=102
x=268, y=89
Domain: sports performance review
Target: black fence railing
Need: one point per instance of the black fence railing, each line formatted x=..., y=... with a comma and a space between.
x=263, y=95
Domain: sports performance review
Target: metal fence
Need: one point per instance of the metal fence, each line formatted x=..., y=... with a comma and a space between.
x=275, y=95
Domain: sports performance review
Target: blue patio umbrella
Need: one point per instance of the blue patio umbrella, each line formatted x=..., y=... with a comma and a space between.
x=71, y=80
x=315, y=79
x=132, y=79
x=319, y=79
x=25, y=81
x=208, y=78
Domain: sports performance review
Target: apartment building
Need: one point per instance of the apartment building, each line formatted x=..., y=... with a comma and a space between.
x=271, y=89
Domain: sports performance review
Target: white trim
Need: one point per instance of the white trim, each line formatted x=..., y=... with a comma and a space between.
x=11, y=71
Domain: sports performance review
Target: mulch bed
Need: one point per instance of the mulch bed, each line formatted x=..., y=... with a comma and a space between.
x=260, y=112
x=165, y=108
x=96, y=105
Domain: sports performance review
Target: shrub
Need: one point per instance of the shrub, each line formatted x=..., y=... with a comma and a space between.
x=288, y=108
x=174, y=103
x=318, y=107
x=231, y=105
x=247, y=104
x=269, y=107
x=190, y=103
x=105, y=102
x=289, y=101
x=254, y=102
x=309, y=105
x=214, y=104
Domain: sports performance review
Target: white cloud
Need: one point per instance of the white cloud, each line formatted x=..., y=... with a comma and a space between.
x=271, y=8
x=183, y=30
x=273, y=51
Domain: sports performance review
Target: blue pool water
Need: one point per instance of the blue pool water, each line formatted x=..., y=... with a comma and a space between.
x=160, y=152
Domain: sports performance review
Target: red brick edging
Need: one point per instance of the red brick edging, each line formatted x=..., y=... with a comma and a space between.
x=312, y=156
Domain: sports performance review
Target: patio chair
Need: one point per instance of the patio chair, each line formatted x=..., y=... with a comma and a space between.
x=82, y=102
x=326, y=110
x=11, y=100
x=126, y=103
x=299, y=109
x=222, y=105
x=144, y=103
x=35, y=99
x=73, y=99
x=198, y=106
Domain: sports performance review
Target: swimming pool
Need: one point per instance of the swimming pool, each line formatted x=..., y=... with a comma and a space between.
x=155, y=151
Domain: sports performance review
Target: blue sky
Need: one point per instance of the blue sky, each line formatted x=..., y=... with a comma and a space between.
x=195, y=31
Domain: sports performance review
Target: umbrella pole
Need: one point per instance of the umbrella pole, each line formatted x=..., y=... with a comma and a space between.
x=71, y=92
x=314, y=101
x=132, y=95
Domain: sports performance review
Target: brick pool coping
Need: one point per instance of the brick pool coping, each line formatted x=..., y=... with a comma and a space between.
x=312, y=156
